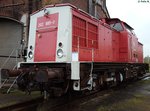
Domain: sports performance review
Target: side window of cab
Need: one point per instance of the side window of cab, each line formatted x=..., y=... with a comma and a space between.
x=117, y=26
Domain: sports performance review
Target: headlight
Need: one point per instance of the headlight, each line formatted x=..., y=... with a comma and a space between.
x=30, y=54
x=60, y=53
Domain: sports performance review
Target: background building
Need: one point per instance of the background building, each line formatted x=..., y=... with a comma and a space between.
x=17, y=8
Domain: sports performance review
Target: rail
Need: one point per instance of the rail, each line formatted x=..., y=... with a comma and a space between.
x=56, y=103
x=27, y=105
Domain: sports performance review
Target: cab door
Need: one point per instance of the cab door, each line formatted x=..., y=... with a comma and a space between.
x=46, y=38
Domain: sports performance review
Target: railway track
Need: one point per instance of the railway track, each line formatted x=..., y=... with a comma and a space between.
x=29, y=105
x=39, y=104
x=69, y=100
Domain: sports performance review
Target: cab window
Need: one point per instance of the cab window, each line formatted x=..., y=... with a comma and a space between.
x=116, y=26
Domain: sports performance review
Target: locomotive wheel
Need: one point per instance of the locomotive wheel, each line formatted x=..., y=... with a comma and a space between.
x=96, y=85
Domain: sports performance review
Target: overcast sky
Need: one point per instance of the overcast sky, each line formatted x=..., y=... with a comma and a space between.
x=137, y=14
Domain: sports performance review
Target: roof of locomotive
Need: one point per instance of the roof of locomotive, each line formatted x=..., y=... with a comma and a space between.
x=67, y=4
x=83, y=12
x=140, y=43
x=116, y=19
x=57, y=5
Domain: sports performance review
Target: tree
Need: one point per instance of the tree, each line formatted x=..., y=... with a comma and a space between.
x=147, y=59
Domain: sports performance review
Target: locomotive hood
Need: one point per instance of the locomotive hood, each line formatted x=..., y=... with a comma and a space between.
x=50, y=35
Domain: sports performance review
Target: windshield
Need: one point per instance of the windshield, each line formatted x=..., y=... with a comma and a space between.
x=116, y=26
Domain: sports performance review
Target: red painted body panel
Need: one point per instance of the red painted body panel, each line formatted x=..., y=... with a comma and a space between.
x=85, y=36
x=134, y=49
x=105, y=44
x=128, y=47
x=123, y=47
x=140, y=52
x=115, y=45
x=46, y=38
x=85, y=54
x=96, y=41
x=97, y=55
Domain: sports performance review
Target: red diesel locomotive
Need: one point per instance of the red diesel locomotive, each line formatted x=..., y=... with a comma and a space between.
x=69, y=49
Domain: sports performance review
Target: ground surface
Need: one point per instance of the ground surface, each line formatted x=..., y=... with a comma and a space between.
x=15, y=97
x=133, y=97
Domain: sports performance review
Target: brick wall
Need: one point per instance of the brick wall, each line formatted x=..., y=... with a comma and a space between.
x=81, y=4
x=12, y=8
x=86, y=5
x=16, y=8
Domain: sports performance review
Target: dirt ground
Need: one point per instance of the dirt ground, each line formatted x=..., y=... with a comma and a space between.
x=15, y=97
x=133, y=97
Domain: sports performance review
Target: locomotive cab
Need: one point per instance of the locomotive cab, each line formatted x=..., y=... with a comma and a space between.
x=128, y=45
